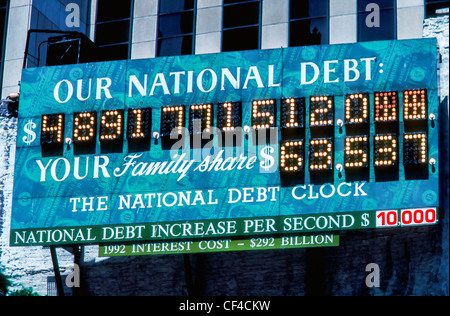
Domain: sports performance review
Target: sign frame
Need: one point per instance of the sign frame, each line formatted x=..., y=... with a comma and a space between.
x=81, y=192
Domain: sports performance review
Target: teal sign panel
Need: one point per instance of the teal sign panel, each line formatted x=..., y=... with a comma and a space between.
x=317, y=130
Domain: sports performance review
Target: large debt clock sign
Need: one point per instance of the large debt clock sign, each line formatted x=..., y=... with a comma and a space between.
x=271, y=143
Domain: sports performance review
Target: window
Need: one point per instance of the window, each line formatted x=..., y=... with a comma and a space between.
x=3, y=26
x=113, y=28
x=432, y=6
x=308, y=22
x=376, y=20
x=241, y=25
x=176, y=27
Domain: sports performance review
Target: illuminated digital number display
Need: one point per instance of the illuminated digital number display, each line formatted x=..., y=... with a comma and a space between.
x=229, y=116
x=292, y=120
x=85, y=127
x=321, y=154
x=321, y=145
x=356, y=152
x=292, y=156
x=229, y=122
x=415, y=110
x=111, y=127
x=386, y=112
x=386, y=157
x=111, y=131
x=357, y=107
x=293, y=113
x=415, y=155
x=52, y=134
x=415, y=105
x=386, y=106
x=415, y=139
x=415, y=149
x=139, y=126
x=292, y=162
x=200, y=124
x=200, y=118
x=321, y=111
x=263, y=119
x=356, y=158
x=359, y=145
x=84, y=132
x=172, y=120
x=172, y=124
x=386, y=141
x=52, y=129
x=385, y=150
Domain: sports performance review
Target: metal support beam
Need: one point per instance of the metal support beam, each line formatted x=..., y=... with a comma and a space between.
x=58, y=279
x=78, y=258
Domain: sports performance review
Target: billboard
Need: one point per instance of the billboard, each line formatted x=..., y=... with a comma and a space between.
x=276, y=143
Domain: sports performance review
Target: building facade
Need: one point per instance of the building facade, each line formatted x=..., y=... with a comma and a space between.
x=141, y=29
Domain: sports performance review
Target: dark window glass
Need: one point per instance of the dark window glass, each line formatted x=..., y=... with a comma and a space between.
x=433, y=5
x=308, y=9
x=246, y=38
x=176, y=6
x=109, y=10
x=241, y=15
x=241, y=25
x=309, y=32
x=176, y=27
x=113, y=33
x=114, y=52
x=369, y=29
x=308, y=22
x=113, y=29
x=176, y=24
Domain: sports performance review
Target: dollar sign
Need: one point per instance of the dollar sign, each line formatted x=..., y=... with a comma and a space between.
x=31, y=135
x=268, y=161
x=365, y=218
